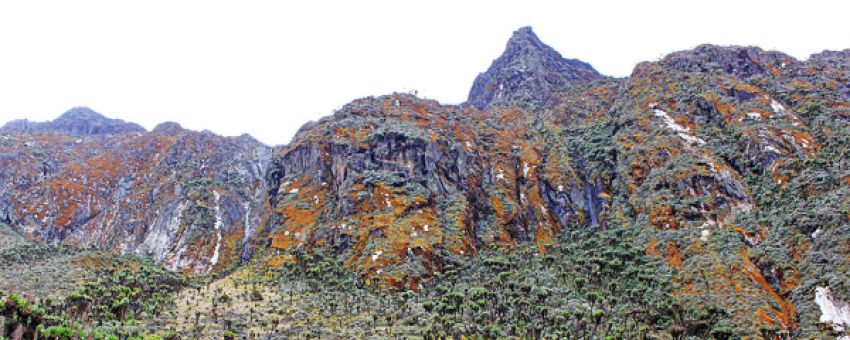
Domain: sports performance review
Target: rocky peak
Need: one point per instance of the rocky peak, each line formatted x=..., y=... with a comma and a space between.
x=77, y=121
x=85, y=121
x=741, y=61
x=528, y=72
x=168, y=128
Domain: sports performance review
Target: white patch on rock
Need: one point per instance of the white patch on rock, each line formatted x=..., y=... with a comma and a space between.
x=703, y=235
x=214, y=259
x=160, y=238
x=377, y=255
x=248, y=230
x=293, y=191
x=670, y=122
x=778, y=108
x=817, y=233
x=525, y=169
x=426, y=227
x=561, y=188
x=754, y=115
x=692, y=139
x=772, y=149
x=832, y=309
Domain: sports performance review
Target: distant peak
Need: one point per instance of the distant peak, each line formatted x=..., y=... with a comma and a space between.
x=79, y=120
x=82, y=112
x=527, y=73
x=168, y=128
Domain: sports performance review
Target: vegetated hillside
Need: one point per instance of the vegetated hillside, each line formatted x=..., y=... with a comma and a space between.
x=724, y=167
x=191, y=200
x=730, y=162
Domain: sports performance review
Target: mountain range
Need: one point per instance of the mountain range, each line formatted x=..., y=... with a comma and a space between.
x=729, y=165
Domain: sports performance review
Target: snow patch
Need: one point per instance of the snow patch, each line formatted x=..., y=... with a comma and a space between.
x=501, y=175
x=703, y=235
x=817, y=233
x=293, y=191
x=525, y=169
x=426, y=227
x=561, y=188
x=377, y=255
x=832, y=309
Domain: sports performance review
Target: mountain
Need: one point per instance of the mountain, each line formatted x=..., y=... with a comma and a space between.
x=190, y=200
x=527, y=73
x=727, y=167
x=78, y=121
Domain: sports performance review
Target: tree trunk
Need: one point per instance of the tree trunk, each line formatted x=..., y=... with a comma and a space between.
x=18, y=333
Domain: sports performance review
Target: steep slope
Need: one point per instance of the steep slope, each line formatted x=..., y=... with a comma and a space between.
x=710, y=154
x=726, y=166
x=189, y=199
x=527, y=74
x=399, y=187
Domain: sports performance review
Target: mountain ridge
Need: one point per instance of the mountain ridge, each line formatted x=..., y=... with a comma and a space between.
x=729, y=164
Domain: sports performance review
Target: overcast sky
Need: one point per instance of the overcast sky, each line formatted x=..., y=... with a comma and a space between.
x=267, y=67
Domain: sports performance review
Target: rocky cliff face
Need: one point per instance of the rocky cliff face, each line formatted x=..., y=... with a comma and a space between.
x=729, y=163
x=702, y=152
x=191, y=200
x=399, y=187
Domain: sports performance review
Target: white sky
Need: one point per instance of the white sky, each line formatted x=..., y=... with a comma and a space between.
x=267, y=67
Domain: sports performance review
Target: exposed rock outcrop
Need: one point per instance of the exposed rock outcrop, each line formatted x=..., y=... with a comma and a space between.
x=728, y=163
x=527, y=74
x=190, y=200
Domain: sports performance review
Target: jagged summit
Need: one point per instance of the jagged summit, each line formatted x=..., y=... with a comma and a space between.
x=527, y=73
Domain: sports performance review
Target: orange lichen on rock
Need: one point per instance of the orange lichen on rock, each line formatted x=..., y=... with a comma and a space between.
x=785, y=314
x=674, y=258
